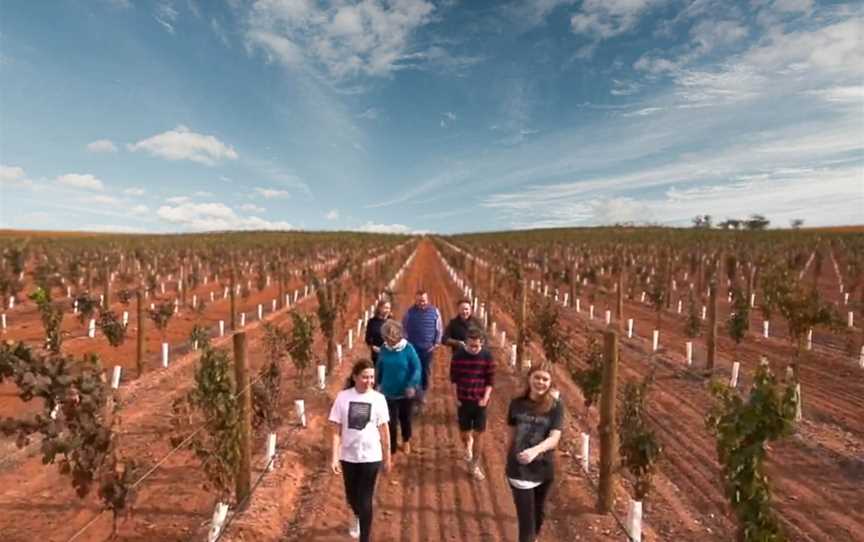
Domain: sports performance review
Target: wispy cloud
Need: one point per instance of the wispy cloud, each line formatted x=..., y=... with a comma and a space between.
x=368, y=38
x=213, y=217
x=332, y=214
x=252, y=208
x=14, y=176
x=102, y=145
x=166, y=15
x=77, y=180
x=271, y=193
x=134, y=191
x=183, y=144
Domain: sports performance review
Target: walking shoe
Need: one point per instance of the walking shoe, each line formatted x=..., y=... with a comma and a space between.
x=406, y=448
x=354, y=529
x=477, y=473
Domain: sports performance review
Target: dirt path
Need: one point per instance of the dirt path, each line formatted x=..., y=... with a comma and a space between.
x=430, y=496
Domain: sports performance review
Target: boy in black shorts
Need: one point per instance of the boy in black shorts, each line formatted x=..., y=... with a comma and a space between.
x=472, y=372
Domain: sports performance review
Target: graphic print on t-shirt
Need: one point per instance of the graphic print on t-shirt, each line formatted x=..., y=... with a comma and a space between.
x=359, y=415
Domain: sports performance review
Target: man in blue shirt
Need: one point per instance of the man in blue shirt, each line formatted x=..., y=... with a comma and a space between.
x=423, y=329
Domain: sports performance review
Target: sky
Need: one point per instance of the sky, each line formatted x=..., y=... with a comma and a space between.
x=428, y=116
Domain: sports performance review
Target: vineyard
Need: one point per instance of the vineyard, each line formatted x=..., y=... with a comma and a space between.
x=177, y=387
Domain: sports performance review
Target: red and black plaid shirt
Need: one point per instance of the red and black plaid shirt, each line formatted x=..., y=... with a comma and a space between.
x=472, y=374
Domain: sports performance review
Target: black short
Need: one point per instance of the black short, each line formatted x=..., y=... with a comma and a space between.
x=472, y=417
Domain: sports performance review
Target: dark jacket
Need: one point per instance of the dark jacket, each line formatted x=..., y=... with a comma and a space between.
x=457, y=329
x=373, y=335
x=531, y=430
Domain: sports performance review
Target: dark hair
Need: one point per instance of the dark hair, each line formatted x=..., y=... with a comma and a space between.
x=359, y=366
x=547, y=401
x=421, y=291
x=463, y=300
x=474, y=332
x=380, y=304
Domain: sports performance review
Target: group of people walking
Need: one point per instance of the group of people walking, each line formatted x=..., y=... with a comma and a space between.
x=384, y=394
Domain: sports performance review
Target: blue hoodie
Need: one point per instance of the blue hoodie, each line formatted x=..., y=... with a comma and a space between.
x=398, y=368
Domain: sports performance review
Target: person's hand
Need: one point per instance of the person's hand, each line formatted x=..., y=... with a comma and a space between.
x=376, y=348
x=462, y=344
x=410, y=392
x=526, y=456
x=483, y=402
x=458, y=403
x=336, y=466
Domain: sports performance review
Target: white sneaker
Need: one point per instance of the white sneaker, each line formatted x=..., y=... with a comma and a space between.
x=477, y=472
x=354, y=529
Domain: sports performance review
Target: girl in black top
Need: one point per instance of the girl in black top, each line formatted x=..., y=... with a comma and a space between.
x=536, y=418
x=373, y=328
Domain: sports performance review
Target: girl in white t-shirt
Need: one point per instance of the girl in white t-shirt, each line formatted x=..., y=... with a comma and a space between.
x=360, y=420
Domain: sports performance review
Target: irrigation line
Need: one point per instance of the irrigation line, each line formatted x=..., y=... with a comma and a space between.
x=242, y=504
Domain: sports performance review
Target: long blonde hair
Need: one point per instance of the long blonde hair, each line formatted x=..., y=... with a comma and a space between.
x=547, y=400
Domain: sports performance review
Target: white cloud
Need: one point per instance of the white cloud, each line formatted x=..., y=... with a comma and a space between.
x=332, y=214
x=368, y=38
x=139, y=210
x=76, y=180
x=101, y=200
x=371, y=227
x=604, y=19
x=166, y=16
x=370, y=114
x=225, y=179
x=214, y=216
x=176, y=200
x=14, y=176
x=853, y=95
x=710, y=34
x=110, y=228
x=624, y=88
x=450, y=115
x=793, y=6
x=533, y=12
x=102, y=145
x=134, y=191
x=183, y=144
x=252, y=208
x=271, y=193
x=219, y=31
x=203, y=194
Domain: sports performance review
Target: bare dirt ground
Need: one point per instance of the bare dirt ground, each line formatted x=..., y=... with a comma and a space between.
x=429, y=496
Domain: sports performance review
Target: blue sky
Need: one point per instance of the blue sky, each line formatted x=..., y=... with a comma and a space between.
x=421, y=115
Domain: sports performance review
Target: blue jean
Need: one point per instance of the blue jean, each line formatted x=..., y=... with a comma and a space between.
x=426, y=357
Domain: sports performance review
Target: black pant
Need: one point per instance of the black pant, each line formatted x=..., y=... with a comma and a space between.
x=359, y=489
x=400, y=418
x=529, y=509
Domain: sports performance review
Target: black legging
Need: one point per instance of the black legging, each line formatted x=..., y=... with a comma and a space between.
x=400, y=418
x=359, y=489
x=529, y=509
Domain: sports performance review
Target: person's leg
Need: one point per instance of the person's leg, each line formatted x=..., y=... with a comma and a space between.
x=464, y=421
x=350, y=477
x=405, y=423
x=540, y=494
x=393, y=408
x=479, y=427
x=524, y=501
x=425, y=359
x=368, y=476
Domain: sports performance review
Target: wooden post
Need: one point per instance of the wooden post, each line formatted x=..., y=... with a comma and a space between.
x=712, y=326
x=619, y=308
x=521, y=322
x=106, y=294
x=243, y=480
x=607, y=429
x=139, y=348
x=573, y=284
x=231, y=294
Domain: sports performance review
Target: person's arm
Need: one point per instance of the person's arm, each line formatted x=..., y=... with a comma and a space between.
x=379, y=372
x=413, y=369
x=550, y=442
x=454, y=378
x=489, y=376
x=384, y=433
x=439, y=326
x=336, y=444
